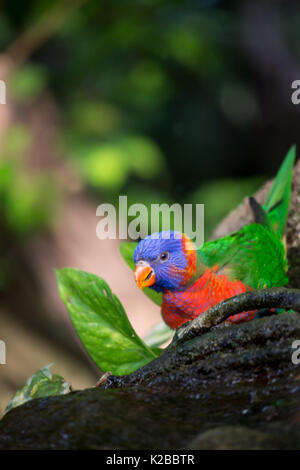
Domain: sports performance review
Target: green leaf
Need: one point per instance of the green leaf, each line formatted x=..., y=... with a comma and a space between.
x=158, y=335
x=101, y=323
x=42, y=384
x=127, y=250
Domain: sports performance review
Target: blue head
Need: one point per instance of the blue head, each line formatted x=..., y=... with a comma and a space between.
x=164, y=261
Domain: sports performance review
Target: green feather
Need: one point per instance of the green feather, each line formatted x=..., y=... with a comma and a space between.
x=255, y=254
x=278, y=200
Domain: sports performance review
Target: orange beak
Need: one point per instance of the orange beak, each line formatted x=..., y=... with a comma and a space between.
x=144, y=275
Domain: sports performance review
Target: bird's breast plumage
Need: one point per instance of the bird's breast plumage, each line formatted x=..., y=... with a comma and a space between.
x=211, y=288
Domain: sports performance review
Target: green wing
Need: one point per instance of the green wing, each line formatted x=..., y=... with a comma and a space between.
x=253, y=255
x=278, y=200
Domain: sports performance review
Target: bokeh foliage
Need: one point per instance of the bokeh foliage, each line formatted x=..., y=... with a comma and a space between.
x=157, y=97
x=26, y=200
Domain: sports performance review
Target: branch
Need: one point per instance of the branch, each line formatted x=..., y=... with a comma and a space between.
x=275, y=297
x=48, y=24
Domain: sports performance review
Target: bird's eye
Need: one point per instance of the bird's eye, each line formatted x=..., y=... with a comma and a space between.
x=164, y=256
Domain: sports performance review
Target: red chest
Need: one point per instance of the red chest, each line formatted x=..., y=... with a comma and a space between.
x=211, y=288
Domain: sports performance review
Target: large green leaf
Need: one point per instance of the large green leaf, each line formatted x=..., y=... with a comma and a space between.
x=42, y=384
x=101, y=323
x=127, y=250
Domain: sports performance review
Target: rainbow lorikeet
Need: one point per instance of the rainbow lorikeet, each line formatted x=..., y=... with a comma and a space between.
x=192, y=280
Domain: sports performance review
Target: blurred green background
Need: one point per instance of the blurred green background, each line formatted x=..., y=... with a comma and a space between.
x=158, y=99
x=164, y=101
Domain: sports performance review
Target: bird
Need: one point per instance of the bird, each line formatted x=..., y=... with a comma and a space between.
x=191, y=279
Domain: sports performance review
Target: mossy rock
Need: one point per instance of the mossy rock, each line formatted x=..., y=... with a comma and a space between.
x=197, y=395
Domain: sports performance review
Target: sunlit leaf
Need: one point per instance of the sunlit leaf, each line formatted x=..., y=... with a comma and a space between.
x=101, y=323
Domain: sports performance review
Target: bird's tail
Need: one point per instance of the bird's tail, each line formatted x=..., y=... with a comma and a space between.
x=278, y=200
